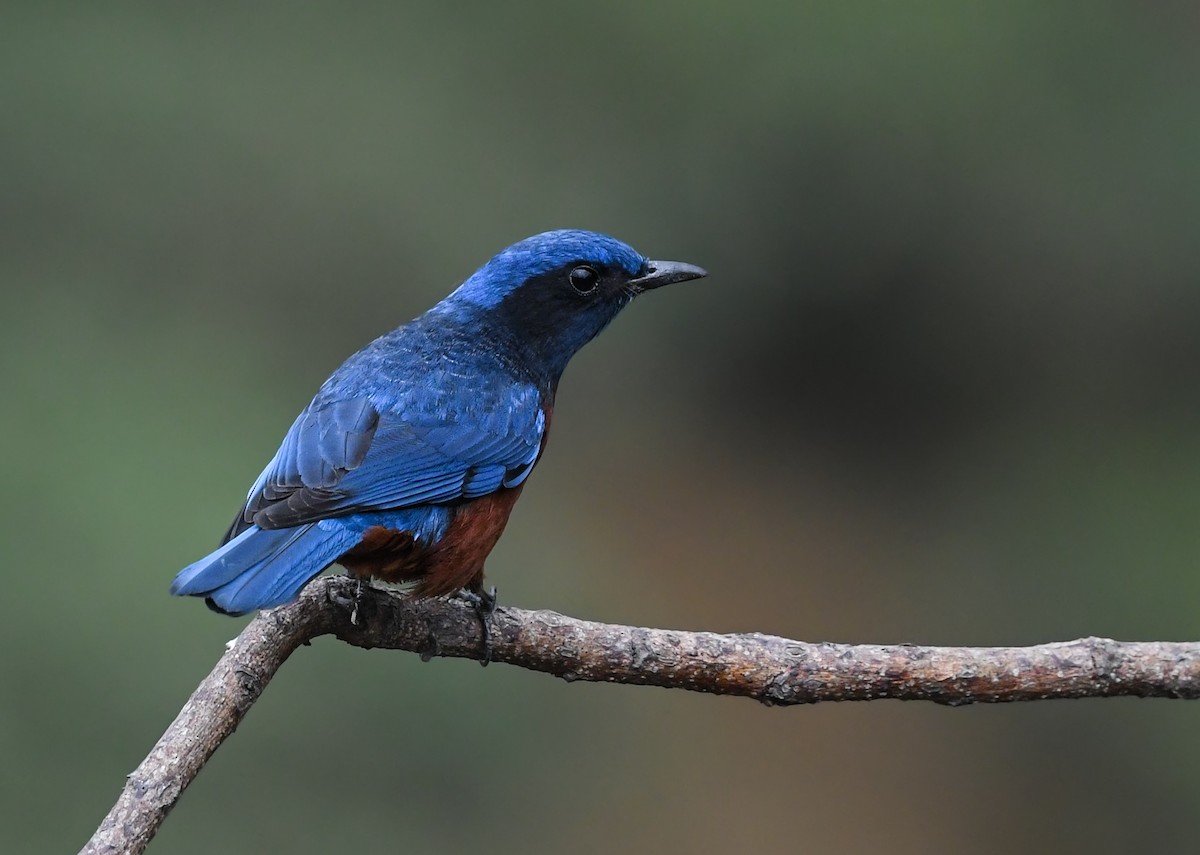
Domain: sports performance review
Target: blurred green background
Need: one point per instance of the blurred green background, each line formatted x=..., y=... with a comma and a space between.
x=940, y=387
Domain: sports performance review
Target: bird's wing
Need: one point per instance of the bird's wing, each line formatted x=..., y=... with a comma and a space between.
x=344, y=455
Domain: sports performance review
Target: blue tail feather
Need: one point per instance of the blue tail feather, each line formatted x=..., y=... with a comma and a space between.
x=262, y=568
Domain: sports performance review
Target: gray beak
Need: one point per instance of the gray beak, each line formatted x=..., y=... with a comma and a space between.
x=660, y=273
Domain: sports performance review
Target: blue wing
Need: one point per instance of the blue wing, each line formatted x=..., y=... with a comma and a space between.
x=425, y=446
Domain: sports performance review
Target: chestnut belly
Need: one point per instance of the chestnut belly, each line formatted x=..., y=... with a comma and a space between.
x=442, y=565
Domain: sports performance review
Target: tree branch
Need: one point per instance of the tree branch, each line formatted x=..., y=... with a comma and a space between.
x=773, y=670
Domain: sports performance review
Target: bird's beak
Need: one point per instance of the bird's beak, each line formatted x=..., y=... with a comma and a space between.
x=659, y=273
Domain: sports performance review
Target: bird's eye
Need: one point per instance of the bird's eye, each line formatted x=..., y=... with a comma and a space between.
x=584, y=279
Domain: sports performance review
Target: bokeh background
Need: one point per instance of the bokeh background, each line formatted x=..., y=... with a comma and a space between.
x=940, y=387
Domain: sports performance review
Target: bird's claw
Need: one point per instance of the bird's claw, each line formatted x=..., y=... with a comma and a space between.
x=484, y=604
x=358, y=594
x=352, y=602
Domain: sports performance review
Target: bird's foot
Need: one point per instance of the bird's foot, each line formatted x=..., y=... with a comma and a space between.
x=353, y=602
x=484, y=604
x=358, y=594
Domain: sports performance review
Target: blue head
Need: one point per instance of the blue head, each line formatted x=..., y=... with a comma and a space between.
x=552, y=293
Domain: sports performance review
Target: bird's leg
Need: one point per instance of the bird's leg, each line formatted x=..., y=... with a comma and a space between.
x=484, y=604
x=359, y=587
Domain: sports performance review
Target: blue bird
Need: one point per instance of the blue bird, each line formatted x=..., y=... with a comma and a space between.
x=407, y=463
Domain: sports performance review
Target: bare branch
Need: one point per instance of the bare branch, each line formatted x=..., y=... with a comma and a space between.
x=767, y=668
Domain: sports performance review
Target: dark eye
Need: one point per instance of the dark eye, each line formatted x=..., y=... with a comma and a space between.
x=584, y=279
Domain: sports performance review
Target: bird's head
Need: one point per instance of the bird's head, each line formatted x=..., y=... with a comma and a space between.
x=554, y=292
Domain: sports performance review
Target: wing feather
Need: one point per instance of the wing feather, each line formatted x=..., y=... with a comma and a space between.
x=348, y=455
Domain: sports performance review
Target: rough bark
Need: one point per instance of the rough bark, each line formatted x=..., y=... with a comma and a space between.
x=773, y=670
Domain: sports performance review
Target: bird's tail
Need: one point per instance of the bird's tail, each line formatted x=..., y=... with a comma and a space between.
x=261, y=568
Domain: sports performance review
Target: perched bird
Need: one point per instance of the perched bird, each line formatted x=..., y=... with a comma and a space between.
x=407, y=463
